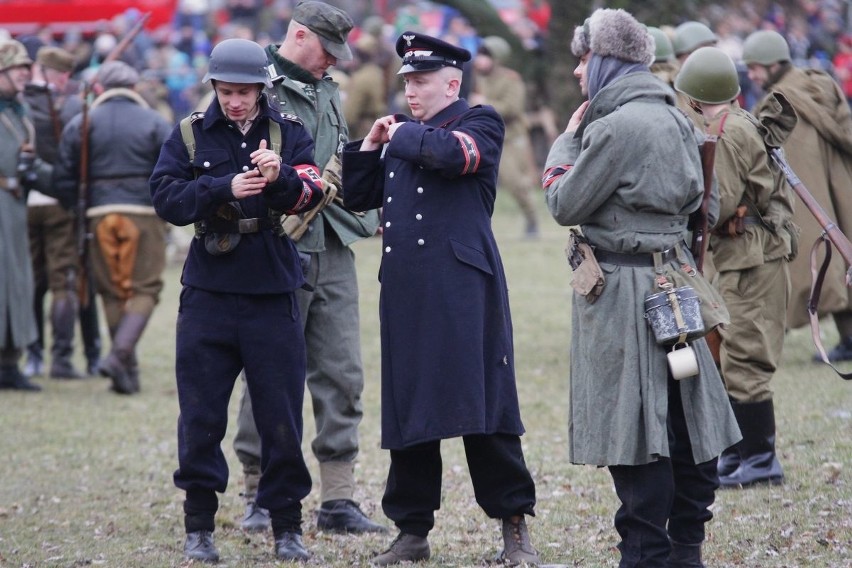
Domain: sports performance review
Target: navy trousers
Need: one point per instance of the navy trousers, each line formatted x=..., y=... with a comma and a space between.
x=666, y=499
x=217, y=336
x=502, y=483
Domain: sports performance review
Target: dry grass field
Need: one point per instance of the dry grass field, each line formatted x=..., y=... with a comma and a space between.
x=85, y=475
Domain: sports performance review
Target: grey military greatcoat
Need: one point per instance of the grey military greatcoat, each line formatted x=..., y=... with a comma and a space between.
x=633, y=176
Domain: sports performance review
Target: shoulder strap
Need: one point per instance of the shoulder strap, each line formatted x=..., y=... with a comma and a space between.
x=275, y=136
x=719, y=126
x=188, y=135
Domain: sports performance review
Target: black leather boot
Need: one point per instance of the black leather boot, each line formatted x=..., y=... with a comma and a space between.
x=10, y=376
x=758, y=462
x=199, y=546
x=118, y=365
x=685, y=556
x=63, y=318
x=91, y=333
x=289, y=547
x=345, y=516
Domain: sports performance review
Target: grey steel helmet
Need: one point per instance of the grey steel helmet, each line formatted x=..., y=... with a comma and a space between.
x=663, y=50
x=765, y=47
x=238, y=61
x=689, y=36
x=708, y=75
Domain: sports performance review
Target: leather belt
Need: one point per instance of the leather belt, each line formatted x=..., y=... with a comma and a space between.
x=638, y=259
x=241, y=226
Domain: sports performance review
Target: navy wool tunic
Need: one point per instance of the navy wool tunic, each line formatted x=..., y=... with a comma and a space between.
x=446, y=328
x=263, y=262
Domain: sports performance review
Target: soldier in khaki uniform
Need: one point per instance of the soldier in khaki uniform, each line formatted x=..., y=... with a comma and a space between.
x=820, y=152
x=665, y=66
x=52, y=235
x=366, y=94
x=502, y=87
x=751, y=248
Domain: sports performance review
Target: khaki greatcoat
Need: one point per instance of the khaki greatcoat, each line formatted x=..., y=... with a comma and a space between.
x=820, y=152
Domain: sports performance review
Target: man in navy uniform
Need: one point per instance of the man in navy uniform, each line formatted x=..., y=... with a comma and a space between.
x=237, y=307
x=446, y=331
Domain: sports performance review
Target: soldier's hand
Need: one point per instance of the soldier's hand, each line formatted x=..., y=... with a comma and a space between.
x=267, y=161
x=247, y=184
x=378, y=134
x=576, y=118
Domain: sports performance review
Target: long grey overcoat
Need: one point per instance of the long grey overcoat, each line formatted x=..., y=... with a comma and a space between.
x=16, y=273
x=633, y=177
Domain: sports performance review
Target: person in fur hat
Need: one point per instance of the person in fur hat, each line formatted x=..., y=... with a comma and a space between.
x=627, y=171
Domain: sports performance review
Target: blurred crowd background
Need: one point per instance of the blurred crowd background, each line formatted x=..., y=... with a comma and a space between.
x=172, y=57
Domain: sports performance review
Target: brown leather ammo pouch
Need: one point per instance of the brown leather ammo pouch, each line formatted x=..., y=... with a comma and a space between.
x=588, y=279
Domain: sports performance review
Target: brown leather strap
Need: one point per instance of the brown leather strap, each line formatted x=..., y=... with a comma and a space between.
x=817, y=278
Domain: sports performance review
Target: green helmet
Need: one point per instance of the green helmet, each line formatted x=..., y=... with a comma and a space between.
x=498, y=47
x=709, y=76
x=689, y=36
x=12, y=54
x=238, y=61
x=765, y=47
x=663, y=50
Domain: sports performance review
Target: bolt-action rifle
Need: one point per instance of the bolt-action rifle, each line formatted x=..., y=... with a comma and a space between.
x=83, y=234
x=832, y=235
x=699, y=220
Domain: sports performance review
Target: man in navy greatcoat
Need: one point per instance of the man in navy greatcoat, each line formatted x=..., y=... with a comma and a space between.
x=446, y=330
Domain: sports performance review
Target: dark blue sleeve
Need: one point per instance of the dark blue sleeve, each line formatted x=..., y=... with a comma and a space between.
x=363, y=179
x=472, y=145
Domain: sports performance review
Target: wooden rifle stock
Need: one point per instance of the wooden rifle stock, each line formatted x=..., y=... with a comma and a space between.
x=700, y=222
x=83, y=204
x=128, y=37
x=832, y=231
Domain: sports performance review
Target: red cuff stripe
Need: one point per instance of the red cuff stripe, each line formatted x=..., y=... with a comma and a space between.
x=471, y=152
x=303, y=200
x=553, y=174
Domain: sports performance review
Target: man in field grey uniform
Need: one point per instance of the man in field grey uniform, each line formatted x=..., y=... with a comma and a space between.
x=316, y=40
x=20, y=171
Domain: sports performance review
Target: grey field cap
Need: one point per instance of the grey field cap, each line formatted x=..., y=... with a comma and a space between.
x=331, y=24
x=115, y=74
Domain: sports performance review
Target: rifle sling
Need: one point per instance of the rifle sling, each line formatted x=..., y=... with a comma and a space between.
x=817, y=278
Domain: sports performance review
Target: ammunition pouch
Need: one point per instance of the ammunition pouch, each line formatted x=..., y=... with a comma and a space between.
x=588, y=279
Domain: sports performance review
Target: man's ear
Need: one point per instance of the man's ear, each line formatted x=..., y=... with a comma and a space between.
x=453, y=86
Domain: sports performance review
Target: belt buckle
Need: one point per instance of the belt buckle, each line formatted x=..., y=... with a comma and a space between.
x=248, y=225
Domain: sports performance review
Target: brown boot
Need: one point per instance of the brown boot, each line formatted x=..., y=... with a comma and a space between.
x=404, y=548
x=118, y=364
x=517, y=548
